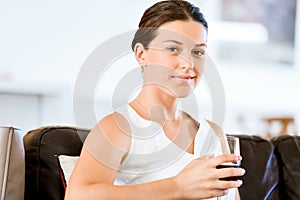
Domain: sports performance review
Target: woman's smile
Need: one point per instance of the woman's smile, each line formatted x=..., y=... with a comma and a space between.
x=184, y=78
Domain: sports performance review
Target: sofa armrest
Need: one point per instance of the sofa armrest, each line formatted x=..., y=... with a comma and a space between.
x=12, y=167
x=42, y=178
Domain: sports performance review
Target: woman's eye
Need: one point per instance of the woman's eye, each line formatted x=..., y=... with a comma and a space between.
x=199, y=53
x=173, y=50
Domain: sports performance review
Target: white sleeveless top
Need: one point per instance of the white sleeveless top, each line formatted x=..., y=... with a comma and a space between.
x=153, y=156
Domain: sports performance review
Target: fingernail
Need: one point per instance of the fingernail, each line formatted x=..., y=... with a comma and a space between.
x=239, y=158
x=243, y=171
x=240, y=182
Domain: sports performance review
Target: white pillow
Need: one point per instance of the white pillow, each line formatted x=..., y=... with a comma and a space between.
x=67, y=164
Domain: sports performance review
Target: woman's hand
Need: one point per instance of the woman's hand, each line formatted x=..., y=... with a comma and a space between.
x=200, y=179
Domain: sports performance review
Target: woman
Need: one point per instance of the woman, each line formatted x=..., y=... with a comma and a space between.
x=148, y=149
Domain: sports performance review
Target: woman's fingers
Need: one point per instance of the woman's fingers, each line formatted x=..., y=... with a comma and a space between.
x=218, y=160
x=207, y=179
x=206, y=157
x=219, y=193
x=212, y=162
x=230, y=172
x=221, y=184
x=217, y=174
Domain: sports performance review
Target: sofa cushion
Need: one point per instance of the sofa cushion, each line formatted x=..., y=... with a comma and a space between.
x=66, y=167
x=287, y=149
x=42, y=146
x=262, y=177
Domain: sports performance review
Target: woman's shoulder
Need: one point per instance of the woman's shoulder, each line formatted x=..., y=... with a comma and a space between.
x=115, y=127
x=115, y=121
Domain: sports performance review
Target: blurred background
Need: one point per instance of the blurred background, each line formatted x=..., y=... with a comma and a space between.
x=254, y=45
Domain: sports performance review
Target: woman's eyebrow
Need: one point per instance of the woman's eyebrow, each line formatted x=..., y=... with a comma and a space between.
x=180, y=43
x=173, y=41
x=201, y=45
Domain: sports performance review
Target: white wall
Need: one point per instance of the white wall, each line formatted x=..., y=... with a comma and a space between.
x=42, y=39
x=45, y=42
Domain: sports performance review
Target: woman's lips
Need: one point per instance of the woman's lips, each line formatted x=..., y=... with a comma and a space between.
x=184, y=77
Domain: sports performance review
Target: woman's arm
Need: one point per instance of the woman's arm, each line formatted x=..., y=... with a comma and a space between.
x=92, y=180
x=197, y=180
x=94, y=175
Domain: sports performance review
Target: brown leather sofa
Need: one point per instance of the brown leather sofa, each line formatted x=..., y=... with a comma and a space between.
x=12, y=165
x=273, y=166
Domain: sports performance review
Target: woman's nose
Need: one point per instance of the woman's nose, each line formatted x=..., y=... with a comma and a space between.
x=186, y=63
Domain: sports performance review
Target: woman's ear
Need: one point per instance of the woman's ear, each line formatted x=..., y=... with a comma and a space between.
x=140, y=54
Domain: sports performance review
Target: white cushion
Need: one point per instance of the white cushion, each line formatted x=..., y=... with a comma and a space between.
x=67, y=164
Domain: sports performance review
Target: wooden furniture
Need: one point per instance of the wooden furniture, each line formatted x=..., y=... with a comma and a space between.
x=285, y=123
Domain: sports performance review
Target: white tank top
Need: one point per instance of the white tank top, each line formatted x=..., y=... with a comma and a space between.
x=153, y=156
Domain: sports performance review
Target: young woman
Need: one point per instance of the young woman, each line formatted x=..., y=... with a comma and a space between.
x=149, y=149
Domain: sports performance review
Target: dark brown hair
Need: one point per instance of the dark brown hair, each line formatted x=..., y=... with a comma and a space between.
x=163, y=12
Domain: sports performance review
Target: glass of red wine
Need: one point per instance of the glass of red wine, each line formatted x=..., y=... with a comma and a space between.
x=232, y=146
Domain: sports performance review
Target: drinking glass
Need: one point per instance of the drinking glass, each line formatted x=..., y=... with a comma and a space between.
x=230, y=146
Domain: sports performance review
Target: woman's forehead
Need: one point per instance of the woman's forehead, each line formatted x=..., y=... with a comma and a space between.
x=184, y=32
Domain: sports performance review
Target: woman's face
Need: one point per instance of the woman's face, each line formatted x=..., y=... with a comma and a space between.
x=175, y=57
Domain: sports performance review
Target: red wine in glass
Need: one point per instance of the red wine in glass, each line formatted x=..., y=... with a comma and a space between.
x=230, y=145
x=233, y=148
x=228, y=165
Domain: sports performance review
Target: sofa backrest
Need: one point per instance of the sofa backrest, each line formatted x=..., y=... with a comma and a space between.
x=266, y=164
x=287, y=150
x=42, y=146
x=261, y=180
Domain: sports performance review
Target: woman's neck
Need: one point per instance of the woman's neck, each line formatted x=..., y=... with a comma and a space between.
x=156, y=107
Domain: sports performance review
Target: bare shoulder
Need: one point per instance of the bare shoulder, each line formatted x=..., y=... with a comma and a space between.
x=104, y=149
x=109, y=141
x=116, y=129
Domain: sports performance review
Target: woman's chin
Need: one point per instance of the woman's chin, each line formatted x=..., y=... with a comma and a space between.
x=183, y=94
